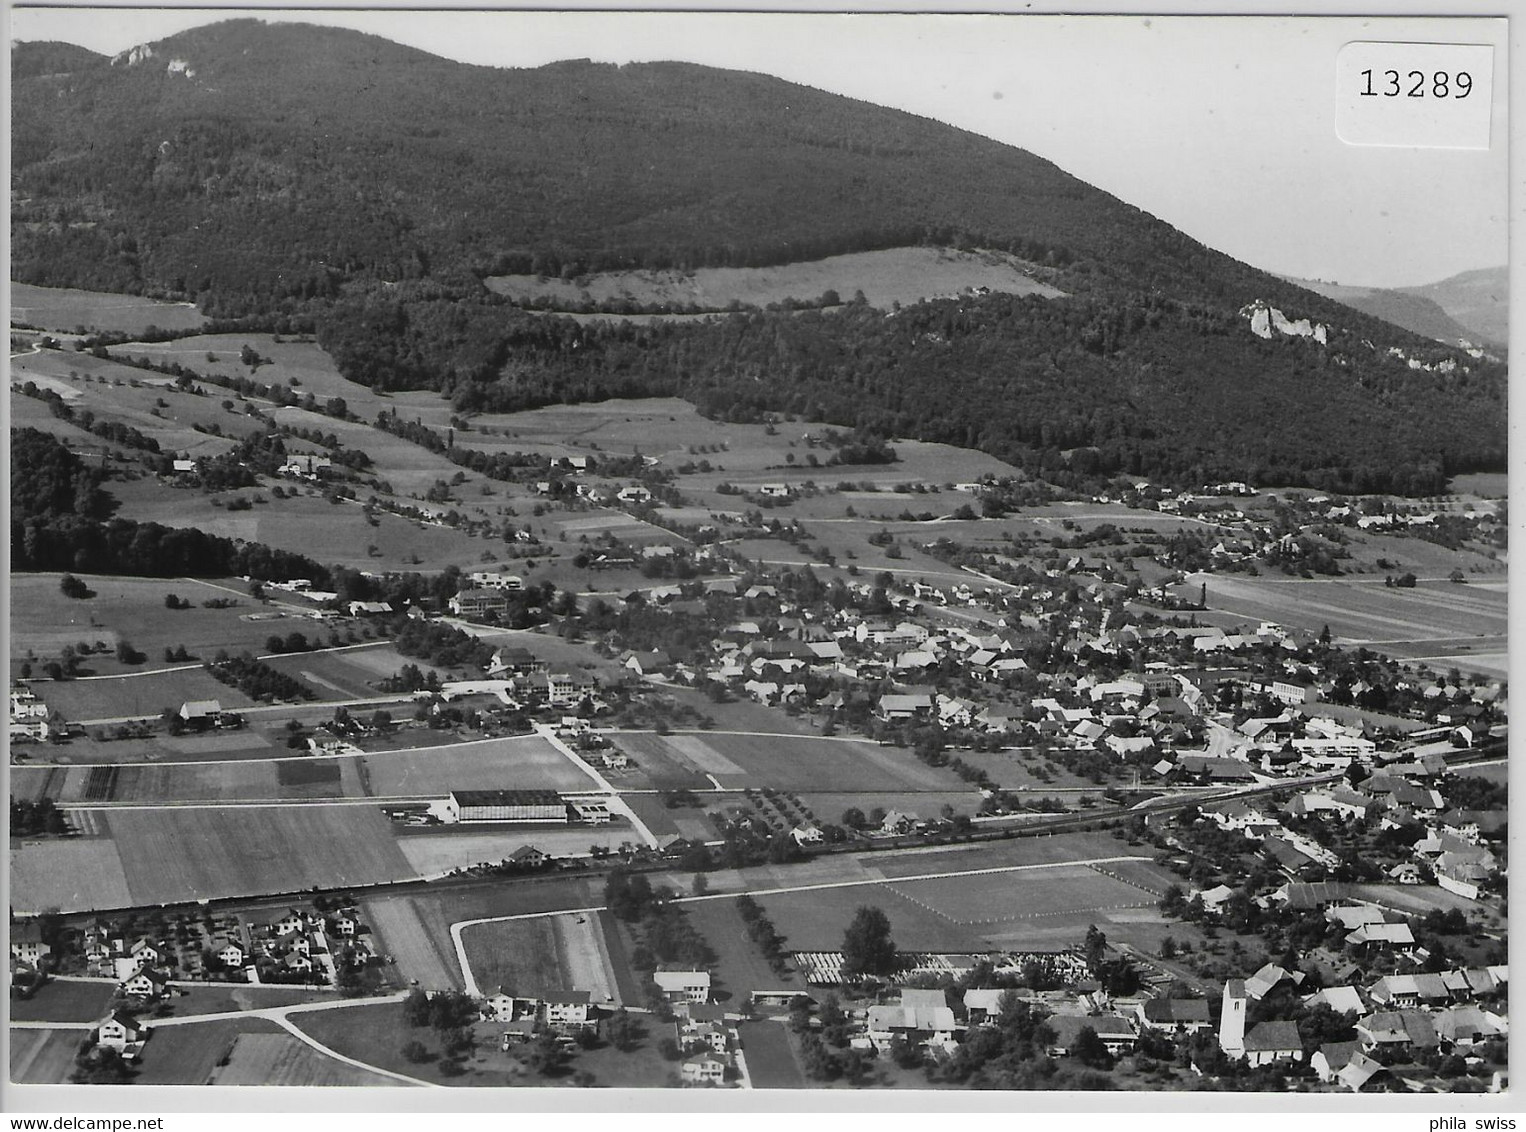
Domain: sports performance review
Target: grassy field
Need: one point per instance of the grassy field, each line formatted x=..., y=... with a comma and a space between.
x=415, y=929
x=829, y=807
x=134, y=696
x=998, y=854
x=74, y=875
x=541, y=956
x=58, y=308
x=789, y=762
x=376, y=1035
x=57, y=1001
x=770, y=1061
x=179, y=855
x=43, y=620
x=188, y=1054
x=740, y=967
x=521, y=763
x=417, y=954
x=43, y=1057
x=1363, y=612
x=982, y=900
x=432, y=854
x=281, y=1059
x=816, y=920
x=893, y=275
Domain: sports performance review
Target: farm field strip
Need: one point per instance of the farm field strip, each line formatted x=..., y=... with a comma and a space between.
x=460, y=926
x=285, y=1060
x=398, y=926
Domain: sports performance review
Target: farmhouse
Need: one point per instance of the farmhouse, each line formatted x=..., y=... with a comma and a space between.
x=706, y=1069
x=27, y=943
x=505, y=805
x=1114, y=1030
x=200, y=713
x=683, y=986
x=922, y=1017
x=479, y=603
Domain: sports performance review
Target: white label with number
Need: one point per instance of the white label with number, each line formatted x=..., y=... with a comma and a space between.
x=1429, y=95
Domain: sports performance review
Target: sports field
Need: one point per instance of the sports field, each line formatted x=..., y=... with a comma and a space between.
x=61, y=308
x=282, y=1059
x=172, y=855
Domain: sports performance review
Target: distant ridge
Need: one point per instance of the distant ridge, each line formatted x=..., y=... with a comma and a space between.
x=1408, y=308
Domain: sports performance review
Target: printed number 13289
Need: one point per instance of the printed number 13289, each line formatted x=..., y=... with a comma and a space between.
x=1416, y=84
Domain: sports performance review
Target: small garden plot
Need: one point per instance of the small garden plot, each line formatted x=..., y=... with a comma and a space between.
x=64, y=308
x=72, y=875
x=281, y=1059
x=171, y=856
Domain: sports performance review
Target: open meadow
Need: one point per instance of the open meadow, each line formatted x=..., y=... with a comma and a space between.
x=133, y=697
x=175, y=855
x=43, y=1057
x=886, y=277
x=79, y=874
x=189, y=1054
x=43, y=620
x=283, y=1059
x=524, y=762
x=1366, y=612
x=542, y=956
x=62, y=308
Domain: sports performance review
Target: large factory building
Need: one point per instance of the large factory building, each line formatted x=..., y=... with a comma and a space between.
x=505, y=805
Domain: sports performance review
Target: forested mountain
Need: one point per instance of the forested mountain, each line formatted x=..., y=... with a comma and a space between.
x=290, y=171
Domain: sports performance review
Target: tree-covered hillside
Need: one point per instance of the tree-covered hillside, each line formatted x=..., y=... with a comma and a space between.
x=299, y=173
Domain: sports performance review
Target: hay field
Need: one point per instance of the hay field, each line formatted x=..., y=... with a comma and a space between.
x=43, y=1057
x=43, y=620
x=72, y=875
x=188, y=1054
x=521, y=763
x=172, y=855
x=282, y=1059
x=893, y=275
x=400, y=932
x=134, y=696
x=791, y=762
x=62, y=308
x=541, y=956
x=1007, y=897
x=1362, y=612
